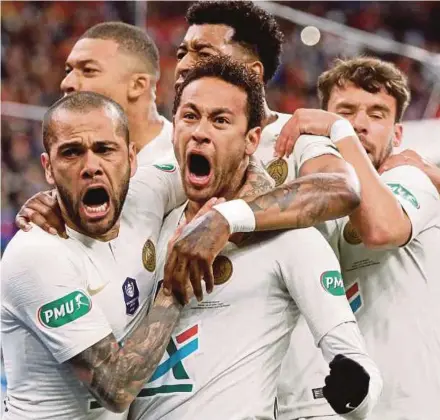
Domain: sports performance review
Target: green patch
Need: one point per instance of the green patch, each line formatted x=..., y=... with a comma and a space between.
x=401, y=191
x=166, y=167
x=64, y=310
x=332, y=283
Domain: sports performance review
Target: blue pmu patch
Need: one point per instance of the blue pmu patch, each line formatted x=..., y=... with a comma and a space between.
x=131, y=296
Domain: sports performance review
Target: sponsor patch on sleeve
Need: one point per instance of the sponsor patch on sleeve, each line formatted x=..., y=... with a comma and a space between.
x=166, y=167
x=64, y=310
x=401, y=191
x=332, y=283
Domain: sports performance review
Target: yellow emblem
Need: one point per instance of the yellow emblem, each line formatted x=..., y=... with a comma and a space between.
x=222, y=269
x=278, y=170
x=149, y=256
x=350, y=235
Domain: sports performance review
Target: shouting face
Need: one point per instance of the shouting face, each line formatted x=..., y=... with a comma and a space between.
x=90, y=164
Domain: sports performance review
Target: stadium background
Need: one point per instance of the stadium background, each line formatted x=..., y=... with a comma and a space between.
x=36, y=37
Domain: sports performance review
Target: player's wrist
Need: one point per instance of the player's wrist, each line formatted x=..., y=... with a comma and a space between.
x=238, y=214
x=341, y=129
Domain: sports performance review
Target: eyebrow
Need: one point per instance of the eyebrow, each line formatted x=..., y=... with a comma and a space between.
x=214, y=111
x=77, y=143
x=198, y=45
x=82, y=62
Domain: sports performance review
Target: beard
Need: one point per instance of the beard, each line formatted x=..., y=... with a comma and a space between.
x=116, y=201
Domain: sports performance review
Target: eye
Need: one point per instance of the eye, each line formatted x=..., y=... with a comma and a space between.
x=89, y=70
x=104, y=149
x=67, y=70
x=221, y=120
x=204, y=54
x=71, y=152
x=189, y=116
x=180, y=54
x=376, y=116
x=345, y=112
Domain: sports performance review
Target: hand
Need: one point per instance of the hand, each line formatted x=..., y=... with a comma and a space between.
x=347, y=384
x=304, y=121
x=43, y=210
x=192, y=251
x=407, y=157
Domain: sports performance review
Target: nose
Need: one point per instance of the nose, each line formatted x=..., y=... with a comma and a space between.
x=92, y=166
x=360, y=122
x=201, y=132
x=70, y=83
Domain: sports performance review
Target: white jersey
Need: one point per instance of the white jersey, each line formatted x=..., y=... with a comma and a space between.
x=286, y=169
x=160, y=147
x=224, y=358
x=394, y=295
x=61, y=296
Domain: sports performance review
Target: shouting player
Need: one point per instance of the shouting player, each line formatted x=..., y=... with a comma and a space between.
x=230, y=346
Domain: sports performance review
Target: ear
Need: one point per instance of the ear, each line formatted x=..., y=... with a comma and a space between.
x=132, y=159
x=257, y=67
x=139, y=84
x=252, y=140
x=398, y=134
x=45, y=162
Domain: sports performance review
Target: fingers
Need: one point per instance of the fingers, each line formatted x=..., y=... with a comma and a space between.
x=207, y=206
x=195, y=276
x=208, y=276
x=170, y=266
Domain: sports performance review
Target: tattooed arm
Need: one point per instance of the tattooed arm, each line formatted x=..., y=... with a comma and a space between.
x=115, y=374
x=305, y=202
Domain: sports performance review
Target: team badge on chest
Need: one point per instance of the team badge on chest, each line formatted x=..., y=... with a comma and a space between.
x=278, y=170
x=350, y=235
x=222, y=269
x=149, y=256
x=131, y=296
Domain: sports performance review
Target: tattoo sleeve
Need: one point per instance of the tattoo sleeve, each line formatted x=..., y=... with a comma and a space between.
x=305, y=202
x=115, y=374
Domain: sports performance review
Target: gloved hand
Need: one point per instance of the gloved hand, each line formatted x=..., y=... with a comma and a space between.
x=347, y=384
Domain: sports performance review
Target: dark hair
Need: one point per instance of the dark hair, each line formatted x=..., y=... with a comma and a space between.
x=132, y=40
x=237, y=74
x=370, y=74
x=83, y=102
x=254, y=28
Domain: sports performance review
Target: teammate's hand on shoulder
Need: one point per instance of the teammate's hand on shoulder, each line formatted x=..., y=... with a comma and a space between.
x=191, y=253
x=304, y=121
x=347, y=384
x=43, y=210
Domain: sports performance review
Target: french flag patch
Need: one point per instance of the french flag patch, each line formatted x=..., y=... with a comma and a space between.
x=354, y=297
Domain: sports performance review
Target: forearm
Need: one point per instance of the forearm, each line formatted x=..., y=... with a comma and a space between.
x=115, y=374
x=433, y=172
x=379, y=220
x=346, y=339
x=305, y=202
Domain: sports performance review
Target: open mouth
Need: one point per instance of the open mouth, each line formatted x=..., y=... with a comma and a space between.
x=96, y=202
x=199, y=169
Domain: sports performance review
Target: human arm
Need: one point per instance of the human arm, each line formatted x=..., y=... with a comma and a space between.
x=317, y=289
x=412, y=158
x=48, y=296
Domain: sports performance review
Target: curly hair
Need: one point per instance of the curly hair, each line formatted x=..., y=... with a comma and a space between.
x=237, y=74
x=370, y=74
x=254, y=28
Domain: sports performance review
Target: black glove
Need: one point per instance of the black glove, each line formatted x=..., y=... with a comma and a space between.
x=347, y=384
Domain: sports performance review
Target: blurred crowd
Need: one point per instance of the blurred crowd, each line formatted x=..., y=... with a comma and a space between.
x=37, y=37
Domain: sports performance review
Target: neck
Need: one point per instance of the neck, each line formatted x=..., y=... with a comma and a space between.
x=229, y=190
x=144, y=125
x=269, y=115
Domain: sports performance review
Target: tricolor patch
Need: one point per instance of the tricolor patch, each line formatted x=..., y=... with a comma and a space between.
x=354, y=297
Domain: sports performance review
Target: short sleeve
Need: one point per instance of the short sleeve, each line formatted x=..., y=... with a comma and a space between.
x=43, y=289
x=312, y=275
x=416, y=194
x=154, y=189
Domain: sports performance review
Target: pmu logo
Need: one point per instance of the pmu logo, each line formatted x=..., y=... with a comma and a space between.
x=171, y=376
